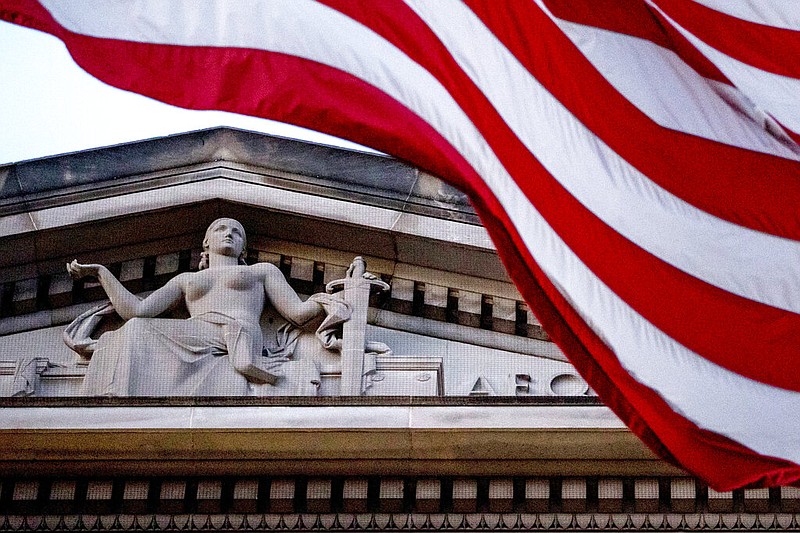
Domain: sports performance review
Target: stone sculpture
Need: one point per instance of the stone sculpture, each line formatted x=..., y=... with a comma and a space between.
x=357, y=366
x=219, y=350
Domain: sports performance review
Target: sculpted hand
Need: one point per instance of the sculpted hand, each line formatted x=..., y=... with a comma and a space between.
x=78, y=271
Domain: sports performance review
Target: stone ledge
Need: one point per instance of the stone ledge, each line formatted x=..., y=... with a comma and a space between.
x=295, y=401
x=337, y=440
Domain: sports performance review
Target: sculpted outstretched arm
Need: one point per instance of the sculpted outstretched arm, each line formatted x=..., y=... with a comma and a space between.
x=126, y=303
x=286, y=301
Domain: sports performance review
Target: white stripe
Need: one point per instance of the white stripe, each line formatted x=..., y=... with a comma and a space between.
x=776, y=94
x=784, y=14
x=757, y=415
x=674, y=95
x=745, y=262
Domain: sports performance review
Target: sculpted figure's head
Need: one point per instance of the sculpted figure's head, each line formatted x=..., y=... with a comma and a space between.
x=224, y=236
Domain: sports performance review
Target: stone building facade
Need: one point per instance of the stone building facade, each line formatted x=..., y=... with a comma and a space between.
x=472, y=419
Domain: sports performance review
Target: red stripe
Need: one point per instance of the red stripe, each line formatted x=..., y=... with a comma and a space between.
x=696, y=314
x=765, y=47
x=706, y=454
x=634, y=17
x=259, y=84
x=31, y=14
x=793, y=135
x=723, y=180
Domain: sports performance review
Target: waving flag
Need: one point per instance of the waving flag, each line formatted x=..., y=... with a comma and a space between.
x=635, y=162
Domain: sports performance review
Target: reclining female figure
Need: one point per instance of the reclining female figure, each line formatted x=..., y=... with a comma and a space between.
x=216, y=352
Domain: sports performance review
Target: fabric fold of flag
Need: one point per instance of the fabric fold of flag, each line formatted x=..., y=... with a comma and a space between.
x=634, y=161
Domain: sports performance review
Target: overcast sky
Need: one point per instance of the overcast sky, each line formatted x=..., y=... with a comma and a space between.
x=50, y=106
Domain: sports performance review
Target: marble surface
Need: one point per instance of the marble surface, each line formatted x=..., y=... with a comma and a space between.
x=311, y=417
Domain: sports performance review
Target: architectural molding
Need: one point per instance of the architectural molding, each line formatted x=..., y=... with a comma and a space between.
x=388, y=504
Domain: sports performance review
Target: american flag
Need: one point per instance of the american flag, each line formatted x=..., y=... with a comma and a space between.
x=635, y=161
